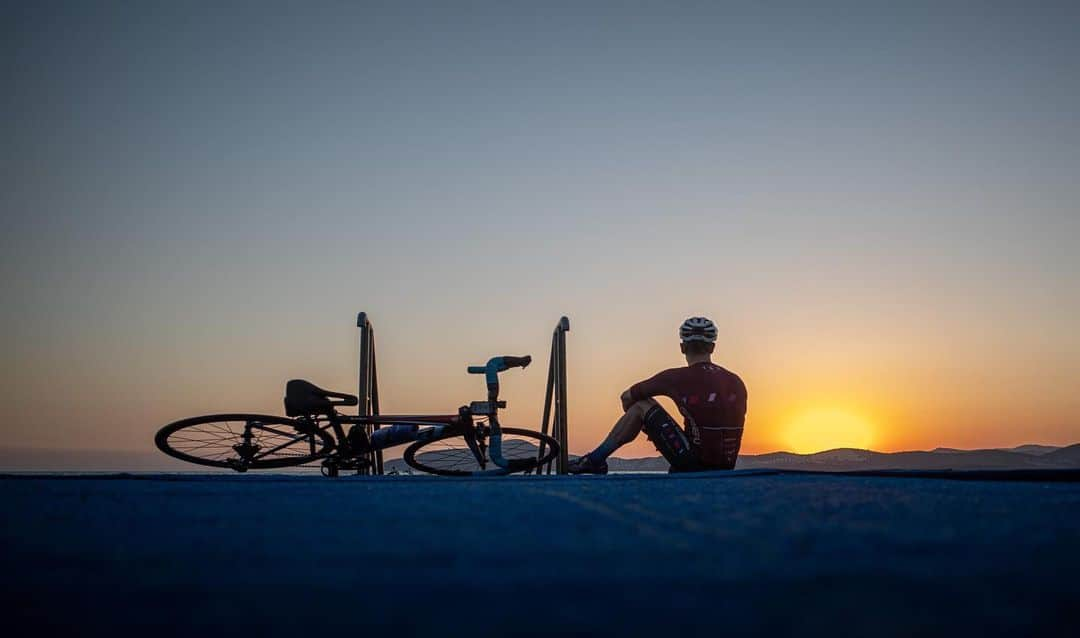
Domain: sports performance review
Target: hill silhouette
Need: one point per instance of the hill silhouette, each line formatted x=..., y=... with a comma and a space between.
x=1024, y=457
x=1066, y=456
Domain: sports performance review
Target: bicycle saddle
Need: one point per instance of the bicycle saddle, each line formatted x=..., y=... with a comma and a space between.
x=303, y=398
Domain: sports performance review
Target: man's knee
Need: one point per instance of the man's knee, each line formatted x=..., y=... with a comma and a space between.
x=642, y=407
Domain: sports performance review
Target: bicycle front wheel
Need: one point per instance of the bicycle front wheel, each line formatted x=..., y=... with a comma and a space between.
x=244, y=441
x=451, y=456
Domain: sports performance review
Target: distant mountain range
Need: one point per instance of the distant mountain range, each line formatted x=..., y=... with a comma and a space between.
x=1023, y=457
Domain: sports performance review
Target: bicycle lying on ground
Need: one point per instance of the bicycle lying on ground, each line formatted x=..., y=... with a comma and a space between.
x=469, y=443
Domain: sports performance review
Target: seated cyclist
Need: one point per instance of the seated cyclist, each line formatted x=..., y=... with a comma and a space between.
x=712, y=401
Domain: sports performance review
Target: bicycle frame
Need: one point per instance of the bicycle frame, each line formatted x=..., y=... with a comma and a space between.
x=348, y=458
x=438, y=423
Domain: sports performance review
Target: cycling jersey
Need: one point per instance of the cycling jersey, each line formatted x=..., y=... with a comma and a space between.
x=712, y=401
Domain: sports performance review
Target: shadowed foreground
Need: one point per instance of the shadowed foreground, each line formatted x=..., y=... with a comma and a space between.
x=619, y=555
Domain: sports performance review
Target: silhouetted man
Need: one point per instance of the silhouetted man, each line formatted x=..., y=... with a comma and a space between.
x=711, y=399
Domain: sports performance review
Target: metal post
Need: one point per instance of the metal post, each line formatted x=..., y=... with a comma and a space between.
x=374, y=406
x=548, y=394
x=560, y=405
x=368, y=386
x=555, y=397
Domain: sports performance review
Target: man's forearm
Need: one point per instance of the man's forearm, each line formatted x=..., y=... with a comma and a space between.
x=638, y=391
x=654, y=386
x=643, y=390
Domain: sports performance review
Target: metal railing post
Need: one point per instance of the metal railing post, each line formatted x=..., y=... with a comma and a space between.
x=374, y=405
x=548, y=395
x=555, y=397
x=368, y=386
x=560, y=405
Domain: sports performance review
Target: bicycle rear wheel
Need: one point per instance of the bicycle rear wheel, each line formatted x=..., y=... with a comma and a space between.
x=451, y=456
x=244, y=441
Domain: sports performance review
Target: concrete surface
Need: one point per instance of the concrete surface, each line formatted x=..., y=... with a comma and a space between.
x=654, y=555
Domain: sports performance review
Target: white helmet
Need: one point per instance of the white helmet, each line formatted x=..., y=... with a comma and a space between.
x=698, y=329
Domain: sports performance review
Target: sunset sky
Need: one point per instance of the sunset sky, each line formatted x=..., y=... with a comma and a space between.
x=876, y=202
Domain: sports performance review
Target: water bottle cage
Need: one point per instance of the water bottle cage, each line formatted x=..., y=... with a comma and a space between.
x=486, y=408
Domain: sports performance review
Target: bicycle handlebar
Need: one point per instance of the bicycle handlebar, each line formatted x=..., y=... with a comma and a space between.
x=491, y=371
x=495, y=365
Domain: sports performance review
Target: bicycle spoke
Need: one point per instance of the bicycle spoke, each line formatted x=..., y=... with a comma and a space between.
x=222, y=428
x=206, y=445
x=265, y=428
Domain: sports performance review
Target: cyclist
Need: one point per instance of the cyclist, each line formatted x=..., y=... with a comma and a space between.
x=711, y=399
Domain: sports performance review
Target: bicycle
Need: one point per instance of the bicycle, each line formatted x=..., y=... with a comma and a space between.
x=469, y=443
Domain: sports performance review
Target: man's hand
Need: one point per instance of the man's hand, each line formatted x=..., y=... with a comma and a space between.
x=627, y=400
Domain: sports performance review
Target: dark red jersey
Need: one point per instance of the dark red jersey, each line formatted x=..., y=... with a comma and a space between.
x=713, y=404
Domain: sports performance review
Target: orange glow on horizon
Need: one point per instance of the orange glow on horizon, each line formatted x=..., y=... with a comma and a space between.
x=819, y=429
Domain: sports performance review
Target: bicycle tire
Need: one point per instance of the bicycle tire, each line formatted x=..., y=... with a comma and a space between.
x=455, y=458
x=212, y=445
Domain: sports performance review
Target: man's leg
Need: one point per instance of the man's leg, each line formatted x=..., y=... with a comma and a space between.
x=625, y=430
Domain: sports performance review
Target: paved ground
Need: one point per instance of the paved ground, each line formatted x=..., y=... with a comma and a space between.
x=619, y=555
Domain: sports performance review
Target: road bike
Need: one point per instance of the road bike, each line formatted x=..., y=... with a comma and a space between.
x=469, y=443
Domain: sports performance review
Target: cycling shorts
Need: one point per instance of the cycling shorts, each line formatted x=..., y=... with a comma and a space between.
x=672, y=442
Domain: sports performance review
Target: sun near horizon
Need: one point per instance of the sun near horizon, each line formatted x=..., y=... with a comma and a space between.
x=828, y=428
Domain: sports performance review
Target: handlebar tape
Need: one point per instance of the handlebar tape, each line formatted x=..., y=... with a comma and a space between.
x=495, y=365
x=517, y=362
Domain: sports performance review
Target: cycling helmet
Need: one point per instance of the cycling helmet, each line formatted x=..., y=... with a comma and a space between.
x=698, y=329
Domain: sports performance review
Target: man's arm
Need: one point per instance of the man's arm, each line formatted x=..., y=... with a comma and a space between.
x=655, y=385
